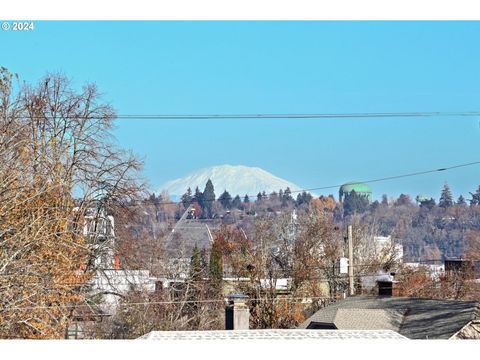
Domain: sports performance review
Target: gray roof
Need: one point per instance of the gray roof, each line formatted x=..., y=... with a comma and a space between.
x=412, y=317
x=272, y=334
x=186, y=236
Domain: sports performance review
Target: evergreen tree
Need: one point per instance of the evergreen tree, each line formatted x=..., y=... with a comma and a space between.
x=273, y=197
x=216, y=263
x=304, y=198
x=209, y=198
x=237, y=202
x=187, y=198
x=461, y=201
x=156, y=201
x=354, y=203
x=384, y=200
x=246, y=199
x=475, y=198
x=446, y=199
x=428, y=204
x=307, y=197
x=259, y=197
x=299, y=199
x=198, y=197
x=226, y=200
x=203, y=262
x=287, y=197
x=194, y=279
x=196, y=264
x=374, y=206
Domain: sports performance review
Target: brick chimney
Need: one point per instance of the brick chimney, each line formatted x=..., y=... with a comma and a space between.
x=117, y=262
x=237, y=314
x=388, y=286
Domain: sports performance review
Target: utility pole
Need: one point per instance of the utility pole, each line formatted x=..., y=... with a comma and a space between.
x=350, y=261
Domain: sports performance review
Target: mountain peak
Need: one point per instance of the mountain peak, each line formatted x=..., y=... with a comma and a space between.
x=236, y=179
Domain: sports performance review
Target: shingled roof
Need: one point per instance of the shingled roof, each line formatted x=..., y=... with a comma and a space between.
x=412, y=317
x=273, y=334
x=186, y=236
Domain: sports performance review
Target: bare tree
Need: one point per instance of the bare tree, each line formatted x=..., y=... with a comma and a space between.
x=258, y=264
x=57, y=161
x=319, y=246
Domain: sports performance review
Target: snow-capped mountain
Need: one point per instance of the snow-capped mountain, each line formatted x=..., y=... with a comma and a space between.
x=236, y=179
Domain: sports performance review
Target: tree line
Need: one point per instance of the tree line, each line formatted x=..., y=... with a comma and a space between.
x=428, y=229
x=208, y=205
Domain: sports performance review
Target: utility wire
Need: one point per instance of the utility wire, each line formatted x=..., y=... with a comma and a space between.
x=233, y=278
x=388, y=178
x=268, y=116
x=365, y=181
x=160, y=303
x=303, y=116
x=206, y=300
x=288, y=300
x=322, y=267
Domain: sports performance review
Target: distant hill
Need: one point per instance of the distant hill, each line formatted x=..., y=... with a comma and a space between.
x=236, y=179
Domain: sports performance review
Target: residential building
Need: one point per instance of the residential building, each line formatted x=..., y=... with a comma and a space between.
x=411, y=317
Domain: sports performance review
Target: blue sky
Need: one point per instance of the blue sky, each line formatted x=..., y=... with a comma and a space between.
x=278, y=67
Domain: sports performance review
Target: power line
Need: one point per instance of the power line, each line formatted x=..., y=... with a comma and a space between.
x=283, y=299
x=303, y=116
x=364, y=181
x=158, y=303
x=226, y=279
x=211, y=300
x=399, y=176
x=314, y=267
x=388, y=178
x=361, y=115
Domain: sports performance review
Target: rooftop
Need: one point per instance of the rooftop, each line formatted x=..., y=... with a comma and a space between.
x=186, y=236
x=272, y=334
x=411, y=317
